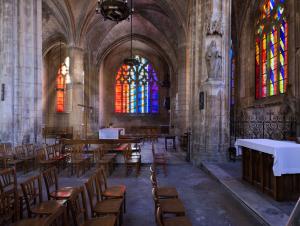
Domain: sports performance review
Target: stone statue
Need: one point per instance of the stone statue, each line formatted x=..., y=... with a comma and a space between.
x=213, y=60
x=289, y=103
x=214, y=27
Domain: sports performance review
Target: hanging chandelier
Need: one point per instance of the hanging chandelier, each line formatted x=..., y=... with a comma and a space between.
x=115, y=10
x=131, y=61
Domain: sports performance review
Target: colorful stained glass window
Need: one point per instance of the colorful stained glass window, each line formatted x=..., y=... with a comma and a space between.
x=136, y=89
x=271, y=49
x=62, y=80
x=232, y=74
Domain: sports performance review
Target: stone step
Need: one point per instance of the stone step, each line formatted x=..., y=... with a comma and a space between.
x=259, y=207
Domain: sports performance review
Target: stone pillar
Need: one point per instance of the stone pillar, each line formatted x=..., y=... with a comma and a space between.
x=181, y=101
x=77, y=76
x=7, y=67
x=210, y=125
x=21, y=22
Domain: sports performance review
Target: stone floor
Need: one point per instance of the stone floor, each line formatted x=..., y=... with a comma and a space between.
x=264, y=207
x=207, y=202
x=235, y=170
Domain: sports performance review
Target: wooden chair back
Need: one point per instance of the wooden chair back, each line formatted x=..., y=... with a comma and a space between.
x=2, y=149
x=41, y=154
x=154, y=195
x=152, y=169
x=159, y=216
x=7, y=149
x=20, y=152
x=77, y=151
x=153, y=181
x=8, y=180
x=58, y=218
x=78, y=208
x=101, y=179
x=51, y=180
x=153, y=150
x=33, y=193
x=8, y=208
x=58, y=149
x=50, y=152
x=127, y=152
x=30, y=149
x=93, y=191
x=98, y=155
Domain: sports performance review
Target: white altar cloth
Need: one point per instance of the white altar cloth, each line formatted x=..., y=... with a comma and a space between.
x=286, y=154
x=111, y=133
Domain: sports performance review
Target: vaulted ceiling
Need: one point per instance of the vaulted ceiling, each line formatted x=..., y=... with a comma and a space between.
x=160, y=22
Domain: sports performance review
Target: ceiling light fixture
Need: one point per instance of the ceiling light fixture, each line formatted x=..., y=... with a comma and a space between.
x=115, y=10
x=131, y=61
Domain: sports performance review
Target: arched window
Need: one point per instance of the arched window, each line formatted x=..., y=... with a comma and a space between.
x=62, y=80
x=136, y=89
x=232, y=74
x=271, y=48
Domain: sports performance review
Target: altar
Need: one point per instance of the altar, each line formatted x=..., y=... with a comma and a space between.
x=272, y=166
x=111, y=133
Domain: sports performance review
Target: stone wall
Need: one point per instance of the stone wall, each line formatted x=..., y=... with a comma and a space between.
x=245, y=96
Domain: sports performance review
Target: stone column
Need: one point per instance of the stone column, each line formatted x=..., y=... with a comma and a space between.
x=7, y=67
x=210, y=125
x=182, y=100
x=77, y=76
x=21, y=25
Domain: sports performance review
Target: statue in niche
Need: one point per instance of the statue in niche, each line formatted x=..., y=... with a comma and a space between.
x=289, y=109
x=289, y=103
x=213, y=60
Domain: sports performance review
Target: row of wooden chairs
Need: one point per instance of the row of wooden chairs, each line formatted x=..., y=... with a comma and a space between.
x=132, y=159
x=159, y=159
x=167, y=203
x=104, y=200
x=30, y=194
x=21, y=156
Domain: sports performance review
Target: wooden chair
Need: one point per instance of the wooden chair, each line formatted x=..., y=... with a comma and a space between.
x=54, y=153
x=42, y=160
x=33, y=194
x=8, y=180
x=100, y=162
x=78, y=209
x=174, y=221
x=58, y=218
x=114, y=192
x=15, y=159
x=162, y=192
x=168, y=206
x=159, y=159
x=8, y=207
x=131, y=161
x=78, y=160
x=22, y=154
x=100, y=206
x=9, y=184
x=53, y=191
x=31, y=153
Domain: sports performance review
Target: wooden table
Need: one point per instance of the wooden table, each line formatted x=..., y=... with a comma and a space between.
x=259, y=167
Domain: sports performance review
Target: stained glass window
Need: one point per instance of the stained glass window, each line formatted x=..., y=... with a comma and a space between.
x=136, y=89
x=232, y=74
x=271, y=49
x=62, y=80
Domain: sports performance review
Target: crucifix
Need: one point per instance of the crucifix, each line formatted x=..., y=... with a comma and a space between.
x=85, y=107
